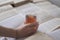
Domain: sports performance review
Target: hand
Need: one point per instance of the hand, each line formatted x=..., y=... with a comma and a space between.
x=27, y=30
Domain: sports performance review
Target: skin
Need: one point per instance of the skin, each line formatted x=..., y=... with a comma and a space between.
x=21, y=32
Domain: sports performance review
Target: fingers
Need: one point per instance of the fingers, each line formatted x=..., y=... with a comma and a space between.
x=27, y=30
x=35, y=24
x=29, y=26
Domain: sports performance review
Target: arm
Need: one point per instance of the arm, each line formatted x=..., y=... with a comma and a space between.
x=19, y=33
x=6, y=32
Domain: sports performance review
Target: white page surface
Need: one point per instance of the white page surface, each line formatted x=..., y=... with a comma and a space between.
x=49, y=26
x=5, y=8
x=55, y=34
x=50, y=8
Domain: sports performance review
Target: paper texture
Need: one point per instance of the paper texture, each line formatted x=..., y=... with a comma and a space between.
x=49, y=26
x=5, y=8
x=5, y=2
x=13, y=22
x=50, y=8
x=55, y=34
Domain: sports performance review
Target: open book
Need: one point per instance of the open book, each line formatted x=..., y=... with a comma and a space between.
x=50, y=26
